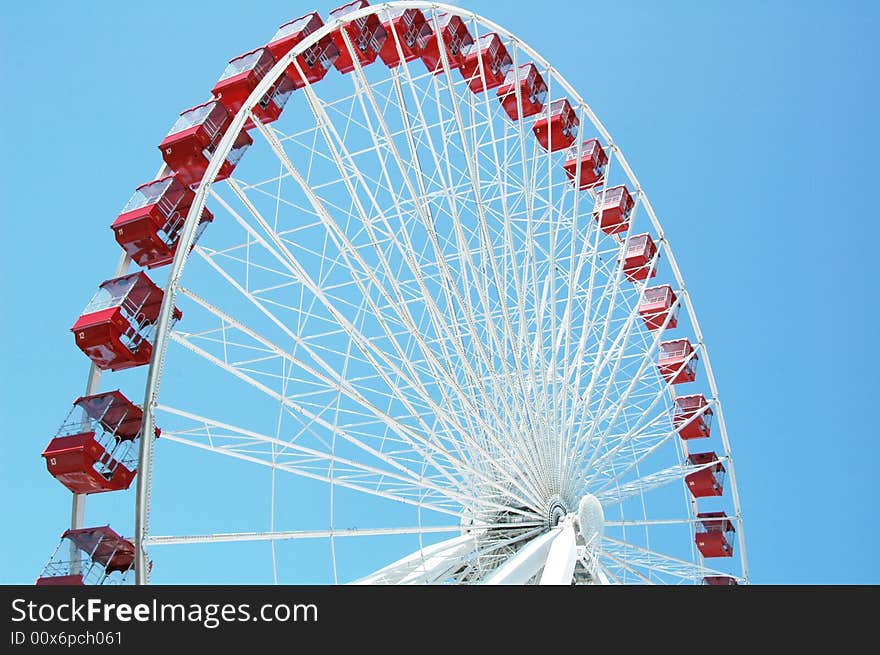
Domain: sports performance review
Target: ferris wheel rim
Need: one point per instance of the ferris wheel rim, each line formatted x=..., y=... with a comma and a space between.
x=236, y=126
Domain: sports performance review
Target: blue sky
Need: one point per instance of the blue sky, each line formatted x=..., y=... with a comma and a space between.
x=751, y=125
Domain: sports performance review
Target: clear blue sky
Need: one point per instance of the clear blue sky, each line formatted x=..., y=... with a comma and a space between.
x=752, y=126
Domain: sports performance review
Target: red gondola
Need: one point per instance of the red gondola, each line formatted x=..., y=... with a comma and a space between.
x=115, y=329
x=656, y=306
x=557, y=130
x=691, y=419
x=193, y=139
x=315, y=61
x=93, y=450
x=709, y=480
x=103, y=552
x=720, y=580
x=149, y=226
x=71, y=580
x=714, y=540
x=496, y=62
x=531, y=87
x=367, y=36
x=612, y=209
x=677, y=361
x=639, y=257
x=593, y=161
x=413, y=33
x=242, y=75
x=456, y=38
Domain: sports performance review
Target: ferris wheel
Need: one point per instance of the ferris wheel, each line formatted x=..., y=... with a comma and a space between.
x=399, y=312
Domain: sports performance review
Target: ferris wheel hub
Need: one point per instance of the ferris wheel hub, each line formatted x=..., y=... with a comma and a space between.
x=591, y=519
x=556, y=510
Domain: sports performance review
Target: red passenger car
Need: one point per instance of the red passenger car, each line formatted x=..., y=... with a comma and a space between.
x=709, y=480
x=656, y=306
x=242, y=75
x=557, y=130
x=677, y=361
x=93, y=451
x=315, y=60
x=88, y=556
x=692, y=417
x=412, y=32
x=612, y=209
x=593, y=161
x=638, y=260
x=115, y=329
x=149, y=226
x=720, y=580
x=455, y=37
x=715, y=538
x=526, y=81
x=488, y=58
x=194, y=138
x=367, y=36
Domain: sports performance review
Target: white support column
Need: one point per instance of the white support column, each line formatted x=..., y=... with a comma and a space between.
x=423, y=566
x=520, y=568
x=78, y=505
x=562, y=557
x=601, y=577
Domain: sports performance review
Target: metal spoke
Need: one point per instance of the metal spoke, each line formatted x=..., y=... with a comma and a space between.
x=167, y=540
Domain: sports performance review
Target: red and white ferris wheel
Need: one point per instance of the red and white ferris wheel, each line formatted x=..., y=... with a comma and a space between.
x=415, y=321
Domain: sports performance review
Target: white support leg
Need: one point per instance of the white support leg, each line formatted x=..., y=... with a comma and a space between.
x=423, y=566
x=520, y=568
x=601, y=578
x=559, y=568
x=93, y=383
